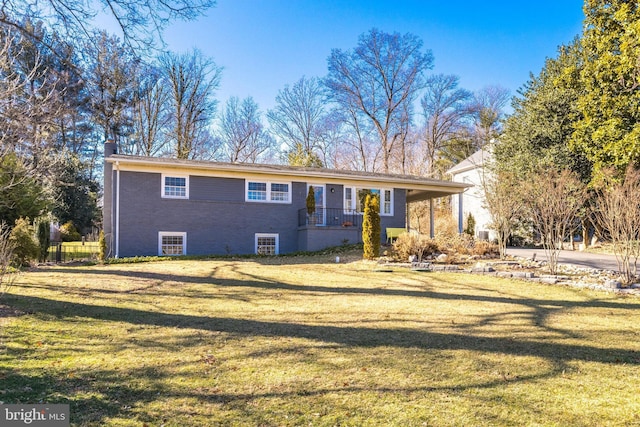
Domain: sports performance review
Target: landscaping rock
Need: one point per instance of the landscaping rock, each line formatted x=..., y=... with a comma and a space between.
x=442, y=258
x=446, y=267
x=481, y=268
x=523, y=274
x=613, y=284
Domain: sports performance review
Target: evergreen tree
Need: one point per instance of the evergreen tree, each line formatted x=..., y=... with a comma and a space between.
x=44, y=239
x=538, y=132
x=608, y=131
x=371, y=227
x=76, y=195
x=21, y=194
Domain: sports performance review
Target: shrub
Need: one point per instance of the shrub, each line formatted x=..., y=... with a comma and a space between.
x=454, y=243
x=311, y=201
x=26, y=248
x=371, y=227
x=69, y=233
x=470, y=227
x=102, y=244
x=412, y=244
x=44, y=239
x=482, y=247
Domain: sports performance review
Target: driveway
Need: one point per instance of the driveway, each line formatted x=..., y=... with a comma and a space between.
x=581, y=259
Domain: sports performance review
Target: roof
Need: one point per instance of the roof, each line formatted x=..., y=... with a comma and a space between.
x=474, y=161
x=418, y=188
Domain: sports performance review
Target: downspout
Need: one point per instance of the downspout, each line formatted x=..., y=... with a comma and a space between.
x=117, y=231
x=407, y=219
x=460, y=214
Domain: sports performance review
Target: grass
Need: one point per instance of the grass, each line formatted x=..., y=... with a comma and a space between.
x=304, y=341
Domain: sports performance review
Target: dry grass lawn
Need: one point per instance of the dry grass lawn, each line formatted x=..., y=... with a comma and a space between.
x=298, y=341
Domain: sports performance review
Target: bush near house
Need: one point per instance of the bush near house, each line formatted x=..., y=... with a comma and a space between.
x=69, y=233
x=371, y=227
x=26, y=248
x=421, y=246
x=44, y=232
x=470, y=225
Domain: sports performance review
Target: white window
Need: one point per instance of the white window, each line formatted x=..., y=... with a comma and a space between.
x=354, y=198
x=386, y=205
x=279, y=192
x=274, y=192
x=175, y=186
x=267, y=244
x=257, y=191
x=172, y=243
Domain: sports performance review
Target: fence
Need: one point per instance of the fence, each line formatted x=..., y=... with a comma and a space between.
x=329, y=217
x=73, y=251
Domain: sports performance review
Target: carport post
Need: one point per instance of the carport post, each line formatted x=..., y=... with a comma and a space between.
x=432, y=233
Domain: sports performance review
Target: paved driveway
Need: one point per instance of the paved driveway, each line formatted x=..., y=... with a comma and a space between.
x=582, y=259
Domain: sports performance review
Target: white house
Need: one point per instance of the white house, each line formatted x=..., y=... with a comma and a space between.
x=472, y=171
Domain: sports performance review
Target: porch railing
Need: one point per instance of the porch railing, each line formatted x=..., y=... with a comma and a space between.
x=329, y=217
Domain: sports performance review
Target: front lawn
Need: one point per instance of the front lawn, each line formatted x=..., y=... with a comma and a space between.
x=304, y=341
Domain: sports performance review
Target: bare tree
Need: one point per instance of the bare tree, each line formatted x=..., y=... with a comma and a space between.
x=243, y=136
x=193, y=80
x=617, y=212
x=488, y=111
x=358, y=149
x=111, y=75
x=29, y=106
x=379, y=77
x=141, y=22
x=445, y=108
x=503, y=200
x=150, y=113
x=552, y=199
x=298, y=117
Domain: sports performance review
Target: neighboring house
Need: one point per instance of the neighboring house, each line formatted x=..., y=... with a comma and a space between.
x=473, y=171
x=160, y=206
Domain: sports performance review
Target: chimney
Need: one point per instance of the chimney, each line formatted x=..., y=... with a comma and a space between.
x=110, y=148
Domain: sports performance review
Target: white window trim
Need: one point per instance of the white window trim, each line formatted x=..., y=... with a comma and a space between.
x=268, y=199
x=183, y=234
x=174, y=175
x=354, y=195
x=258, y=235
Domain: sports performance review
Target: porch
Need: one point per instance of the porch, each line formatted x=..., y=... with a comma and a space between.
x=329, y=217
x=328, y=227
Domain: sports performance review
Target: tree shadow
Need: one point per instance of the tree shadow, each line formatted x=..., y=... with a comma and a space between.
x=98, y=395
x=365, y=337
x=536, y=310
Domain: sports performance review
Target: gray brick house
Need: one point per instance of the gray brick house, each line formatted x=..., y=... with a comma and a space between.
x=159, y=206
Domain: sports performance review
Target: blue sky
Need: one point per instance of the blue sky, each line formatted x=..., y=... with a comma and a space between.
x=265, y=44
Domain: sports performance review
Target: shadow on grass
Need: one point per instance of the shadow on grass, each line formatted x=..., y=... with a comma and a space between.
x=97, y=396
x=254, y=281
x=343, y=335
x=536, y=311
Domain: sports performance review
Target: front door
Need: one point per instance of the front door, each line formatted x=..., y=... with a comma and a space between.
x=319, y=216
